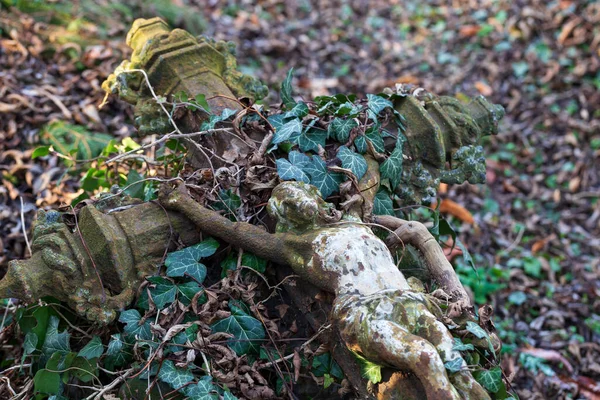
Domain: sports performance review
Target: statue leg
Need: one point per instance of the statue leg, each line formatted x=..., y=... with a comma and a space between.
x=389, y=343
x=438, y=335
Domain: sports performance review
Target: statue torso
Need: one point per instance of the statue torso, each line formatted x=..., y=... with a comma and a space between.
x=349, y=258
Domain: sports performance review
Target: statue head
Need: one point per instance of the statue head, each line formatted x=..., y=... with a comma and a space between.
x=298, y=207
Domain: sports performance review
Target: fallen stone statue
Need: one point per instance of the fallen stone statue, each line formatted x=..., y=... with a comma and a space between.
x=378, y=314
x=95, y=259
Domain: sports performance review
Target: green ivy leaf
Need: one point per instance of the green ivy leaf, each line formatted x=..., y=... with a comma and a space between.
x=115, y=354
x=131, y=319
x=203, y=390
x=175, y=377
x=248, y=260
x=228, y=202
x=46, y=381
x=30, y=343
x=373, y=136
x=255, y=262
x=533, y=364
x=490, y=379
x=382, y=204
x=310, y=139
x=339, y=129
x=517, y=298
x=185, y=261
x=352, y=161
x=36, y=320
x=326, y=182
x=300, y=110
x=476, y=330
x=454, y=365
x=277, y=121
x=370, y=370
x=481, y=334
x=40, y=152
x=290, y=172
x=189, y=334
x=324, y=364
x=286, y=90
x=93, y=349
x=55, y=342
x=293, y=169
x=244, y=328
x=344, y=108
x=465, y=253
x=289, y=131
x=327, y=381
x=460, y=346
x=444, y=228
x=392, y=167
x=164, y=292
x=187, y=292
x=136, y=190
x=229, y=396
x=377, y=103
x=215, y=119
x=68, y=138
x=83, y=369
x=229, y=263
x=201, y=101
x=348, y=108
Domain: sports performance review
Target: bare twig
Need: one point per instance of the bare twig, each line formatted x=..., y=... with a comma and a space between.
x=259, y=156
x=23, y=227
x=121, y=190
x=6, y=308
x=10, y=389
x=110, y=386
x=321, y=330
x=4, y=371
x=172, y=135
x=514, y=244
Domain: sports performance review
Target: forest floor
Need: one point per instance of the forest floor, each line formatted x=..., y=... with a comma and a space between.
x=533, y=230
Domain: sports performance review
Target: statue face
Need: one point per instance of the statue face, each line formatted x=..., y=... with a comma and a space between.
x=296, y=205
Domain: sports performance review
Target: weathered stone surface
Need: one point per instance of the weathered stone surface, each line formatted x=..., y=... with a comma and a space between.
x=443, y=145
x=175, y=61
x=98, y=268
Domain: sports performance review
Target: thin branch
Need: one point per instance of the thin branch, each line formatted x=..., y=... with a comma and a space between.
x=14, y=367
x=7, y=307
x=23, y=227
x=172, y=135
x=110, y=386
x=321, y=330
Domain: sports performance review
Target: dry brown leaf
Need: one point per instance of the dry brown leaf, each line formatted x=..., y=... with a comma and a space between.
x=484, y=88
x=443, y=188
x=538, y=245
x=469, y=30
x=451, y=250
x=448, y=206
x=297, y=362
x=567, y=29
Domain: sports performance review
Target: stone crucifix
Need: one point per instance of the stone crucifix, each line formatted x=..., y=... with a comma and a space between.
x=378, y=314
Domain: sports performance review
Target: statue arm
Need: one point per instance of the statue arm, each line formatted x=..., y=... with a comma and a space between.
x=439, y=268
x=247, y=236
